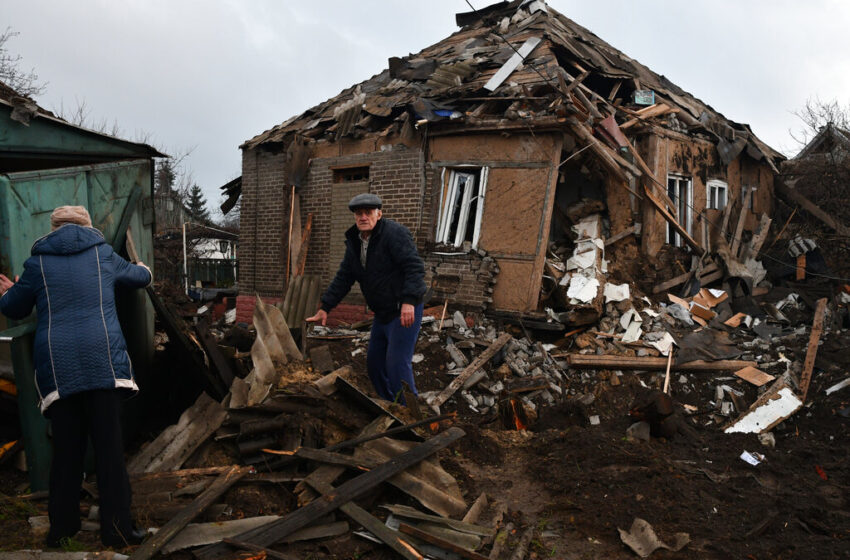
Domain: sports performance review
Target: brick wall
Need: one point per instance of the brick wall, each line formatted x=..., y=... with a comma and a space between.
x=466, y=279
x=397, y=174
x=264, y=223
x=343, y=314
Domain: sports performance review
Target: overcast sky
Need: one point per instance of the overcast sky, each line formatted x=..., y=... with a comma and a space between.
x=210, y=74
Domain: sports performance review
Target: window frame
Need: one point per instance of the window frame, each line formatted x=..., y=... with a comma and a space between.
x=684, y=207
x=712, y=203
x=462, y=200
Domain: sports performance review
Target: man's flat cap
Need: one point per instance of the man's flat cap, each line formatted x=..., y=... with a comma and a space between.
x=365, y=200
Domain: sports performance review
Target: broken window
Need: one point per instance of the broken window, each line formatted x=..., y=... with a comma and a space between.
x=351, y=174
x=716, y=194
x=461, y=205
x=746, y=199
x=680, y=192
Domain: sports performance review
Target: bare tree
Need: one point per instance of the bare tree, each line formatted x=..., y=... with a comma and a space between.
x=817, y=114
x=22, y=81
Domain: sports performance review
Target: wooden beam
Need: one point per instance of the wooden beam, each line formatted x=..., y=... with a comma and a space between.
x=305, y=246
x=649, y=363
x=662, y=209
x=389, y=537
x=154, y=544
x=793, y=195
x=442, y=543
x=682, y=278
x=218, y=360
x=649, y=112
x=622, y=235
x=739, y=229
x=477, y=364
x=812, y=350
x=351, y=490
x=259, y=549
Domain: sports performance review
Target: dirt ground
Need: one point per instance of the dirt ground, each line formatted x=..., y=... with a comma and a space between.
x=576, y=483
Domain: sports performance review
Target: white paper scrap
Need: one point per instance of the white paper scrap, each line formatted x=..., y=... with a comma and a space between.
x=616, y=292
x=583, y=289
x=752, y=457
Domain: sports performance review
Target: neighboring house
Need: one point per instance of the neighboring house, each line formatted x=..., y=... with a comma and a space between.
x=479, y=144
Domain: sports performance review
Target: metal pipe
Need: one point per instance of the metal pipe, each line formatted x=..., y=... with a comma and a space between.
x=185, y=268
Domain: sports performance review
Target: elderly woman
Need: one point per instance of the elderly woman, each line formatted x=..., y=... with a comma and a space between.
x=81, y=364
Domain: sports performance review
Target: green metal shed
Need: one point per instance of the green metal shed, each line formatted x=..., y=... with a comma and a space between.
x=47, y=162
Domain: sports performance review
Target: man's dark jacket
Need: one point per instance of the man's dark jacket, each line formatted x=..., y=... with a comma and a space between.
x=394, y=273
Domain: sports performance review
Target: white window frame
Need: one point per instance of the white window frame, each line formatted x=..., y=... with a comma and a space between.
x=713, y=190
x=684, y=206
x=459, y=190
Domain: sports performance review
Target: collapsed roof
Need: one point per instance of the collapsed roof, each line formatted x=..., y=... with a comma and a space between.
x=559, y=69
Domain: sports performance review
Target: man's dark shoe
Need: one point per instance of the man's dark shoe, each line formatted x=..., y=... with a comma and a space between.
x=134, y=537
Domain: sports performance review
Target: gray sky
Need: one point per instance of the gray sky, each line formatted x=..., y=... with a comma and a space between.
x=210, y=74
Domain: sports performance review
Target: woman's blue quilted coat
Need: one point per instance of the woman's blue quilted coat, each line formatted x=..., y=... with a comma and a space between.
x=70, y=279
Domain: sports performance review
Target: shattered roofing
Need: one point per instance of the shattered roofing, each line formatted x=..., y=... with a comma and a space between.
x=571, y=72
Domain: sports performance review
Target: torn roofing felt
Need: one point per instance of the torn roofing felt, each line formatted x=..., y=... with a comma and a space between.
x=568, y=70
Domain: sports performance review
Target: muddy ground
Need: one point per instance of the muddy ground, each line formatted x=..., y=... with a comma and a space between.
x=576, y=483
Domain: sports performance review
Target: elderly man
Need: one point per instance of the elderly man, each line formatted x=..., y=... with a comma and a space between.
x=82, y=369
x=380, y=254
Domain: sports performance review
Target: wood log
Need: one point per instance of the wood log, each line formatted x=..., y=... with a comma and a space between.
x=649, y=363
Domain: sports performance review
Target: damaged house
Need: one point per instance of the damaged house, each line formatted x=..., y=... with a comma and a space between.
x=524, y=153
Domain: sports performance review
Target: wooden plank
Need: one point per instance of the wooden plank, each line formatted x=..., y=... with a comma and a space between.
x=812, y=350
x=442, y=543
x=801, y=268
x=474, y=512
x=622, y=235
x=477, y=364
x=794, y=195
x=755, y=376
x=649, y=112
x=351, y=490
x=389, y=537
x=259, y=549
x=662, y=209
x=649, y=363
x=218, y=360
x=661, y=189
x=413, y=513
x=742, y=218
x=153, y=545
x=513, y=62
x=760, y=237
x=305, y=246
x=682, y=278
